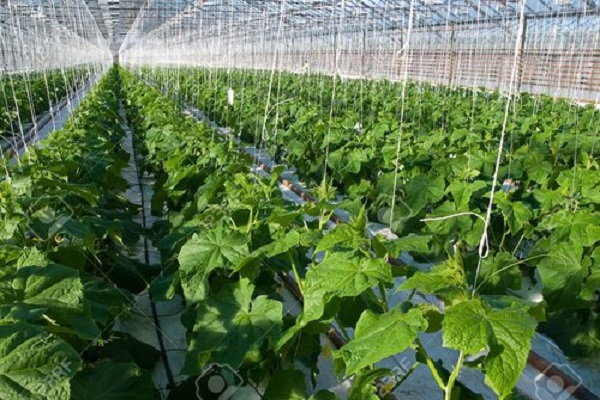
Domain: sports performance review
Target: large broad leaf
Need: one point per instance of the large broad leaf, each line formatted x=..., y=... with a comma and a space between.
x=89, y=193
x=279, y=246
x=584, y=182
x=343, y=236
x=446, y=280
x=468, y=227
x=113, y=381
x=592, y=280
x=35, y=365
x=422, y=190
x=581, y=228
x=537, y=168
x=463, y=191
x=590, y=186
x=31, y=256
x=499, y=273
x=284, y=384
x=105, y=299
x=221, y=247
x=340, y=275
x=380, y=336
x=411, y=243
x=576, y=336
x=562, y=273
x=230, y=324
x=124, y=348
x=548, y=198
x=505, y=334
x=354, y=160
x=516, y=214
x=54, y=286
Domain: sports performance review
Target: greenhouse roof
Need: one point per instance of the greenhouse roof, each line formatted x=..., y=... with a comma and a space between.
x=116, y=20
x=372, y=14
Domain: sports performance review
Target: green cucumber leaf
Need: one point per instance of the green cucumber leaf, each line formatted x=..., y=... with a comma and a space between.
x=537, y=168
x=221, y=247
x=344, y=236
x=380, y=336
x=576, y=336
x=341, y=274
x=230, y=324
x=122, y=381
x=446, y=280
x=562, y=273
x=54, y=286
x=499, y=273
x=581, y=228
x=286, y=384
x=364, y=385
x=272, y=249
x=35, y=365
x=504, y=334
x=411, y=243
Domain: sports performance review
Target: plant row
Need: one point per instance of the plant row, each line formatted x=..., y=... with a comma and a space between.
x=432, y=153
x=66, y=235
x=25, y=96
x=228, y=236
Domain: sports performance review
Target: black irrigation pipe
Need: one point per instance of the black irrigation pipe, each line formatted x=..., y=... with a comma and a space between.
x=578, y=390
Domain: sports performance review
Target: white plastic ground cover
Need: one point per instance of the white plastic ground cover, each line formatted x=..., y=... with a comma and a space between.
x=141, y=323
x=532, y=384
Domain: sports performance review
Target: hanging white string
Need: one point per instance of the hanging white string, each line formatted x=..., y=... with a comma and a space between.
x=483, y=243
x=405, y=61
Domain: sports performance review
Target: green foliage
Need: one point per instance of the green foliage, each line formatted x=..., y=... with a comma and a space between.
x=230, y=237
x=380, y=336
x=503, y=334
x=65, y=276
x=230, y=324
x=217, y=248
x=27, y=96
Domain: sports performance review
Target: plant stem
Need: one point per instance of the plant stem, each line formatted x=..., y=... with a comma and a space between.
x=518, y=244
x=250, y=221
x=505, y=233
x=384, y=301
x=453, y=376
x=296, y=274
x=324, y=219
x=412, y=294
x=343, y=329
x=432, y=366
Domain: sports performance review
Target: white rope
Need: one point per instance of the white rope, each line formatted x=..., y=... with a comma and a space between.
x=483, y=243
x=469, y=213
x=444, y=218
x=402, y=110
